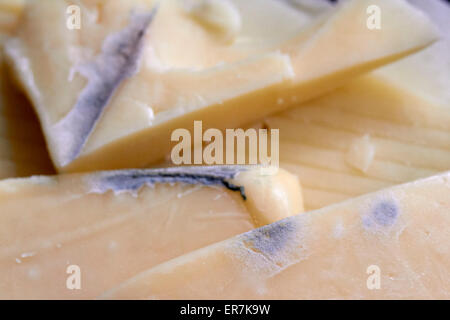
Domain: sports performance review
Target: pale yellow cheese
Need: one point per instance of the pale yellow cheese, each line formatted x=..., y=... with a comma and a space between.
x=219, y=15
x=10, y=11
x=392, y=244
x=316, y=138
x=361, y=153
x=403, y=109
x=112, y=225
x=22, y=147
x=427, y=74
x=13, y=6
x=23, y=150
x=8, y=21
x=225, y=84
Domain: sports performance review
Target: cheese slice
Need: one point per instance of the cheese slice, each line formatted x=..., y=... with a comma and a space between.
x=101, y=112
x=391, y=126
x=392, y=244
x=114, y=224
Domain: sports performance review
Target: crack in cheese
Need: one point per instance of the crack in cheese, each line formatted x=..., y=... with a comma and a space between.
x=225, y=85
x=323, y=254
x=116, y=224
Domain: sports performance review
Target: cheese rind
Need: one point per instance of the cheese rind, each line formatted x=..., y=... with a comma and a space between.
x=221, y=84
x=115, y=224
x=325, y=254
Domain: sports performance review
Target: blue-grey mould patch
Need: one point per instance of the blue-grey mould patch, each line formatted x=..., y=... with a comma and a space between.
x=385, y=213
x=132, y=180
x=273, y=238
x=118, y=61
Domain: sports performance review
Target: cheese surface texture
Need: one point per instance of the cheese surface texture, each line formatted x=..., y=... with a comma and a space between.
x=115, y=224
x=9, y=13
x=388, y=127
x=109, y=94
x=325, y=254
x=23, y=150
x=362, y=138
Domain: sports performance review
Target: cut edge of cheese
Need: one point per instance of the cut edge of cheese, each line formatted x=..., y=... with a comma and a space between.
x=110, y=153
x=115, y=224
x=23, y=151
x=324, y=254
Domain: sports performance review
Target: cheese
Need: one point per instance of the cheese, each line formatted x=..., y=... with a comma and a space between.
x=8, y=21
x=13, y=6
x=361, y=153
x=316, y=138
x=10, y=11
x=114, y=224
x=426, y=75
x=386, y=245
x=311, y=7
x=22, y=146
x=219, y=15
x=139, y=101
x=403, y=107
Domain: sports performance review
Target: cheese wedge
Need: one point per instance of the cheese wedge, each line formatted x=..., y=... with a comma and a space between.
x=391, y=126
x=112, y=225
x=388, y=245
x=99, y=111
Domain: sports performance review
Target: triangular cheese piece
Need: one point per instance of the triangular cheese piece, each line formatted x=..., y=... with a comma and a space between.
x=388, y=245
x=112, y=225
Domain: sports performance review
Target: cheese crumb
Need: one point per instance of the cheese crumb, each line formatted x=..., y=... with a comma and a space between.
x=361, y=153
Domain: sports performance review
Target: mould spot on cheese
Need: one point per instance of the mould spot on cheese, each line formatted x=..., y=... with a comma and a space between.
x=385, y=213
x=263, y=253
x=381, y=214
x=266, y=251
x=118, y=61
x=272, y=238
x=132, y=180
